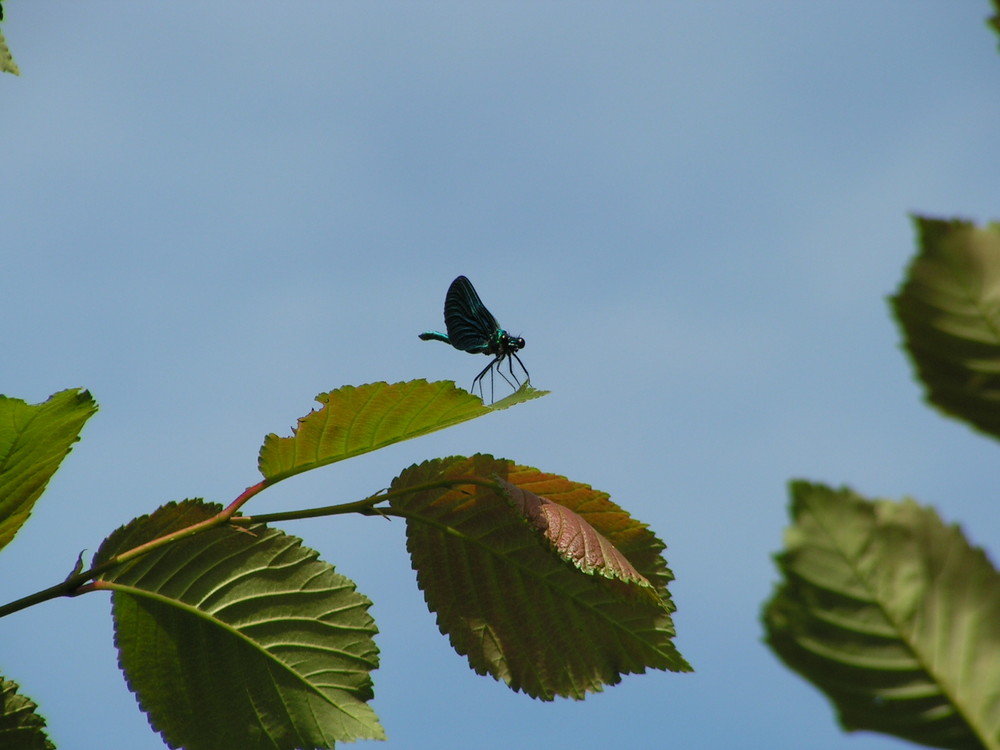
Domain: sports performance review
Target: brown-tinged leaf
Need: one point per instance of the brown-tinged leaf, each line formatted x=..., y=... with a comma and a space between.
x=550, y=611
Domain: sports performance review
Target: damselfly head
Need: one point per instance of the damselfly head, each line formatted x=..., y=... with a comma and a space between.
x=507, y=344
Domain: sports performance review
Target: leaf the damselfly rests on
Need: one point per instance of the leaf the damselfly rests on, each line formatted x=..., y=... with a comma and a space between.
x=357, y=419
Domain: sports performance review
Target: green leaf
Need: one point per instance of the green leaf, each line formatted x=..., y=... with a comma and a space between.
x=358, y=419
x=536, y=595
x=893, y=615
x=994, y=20
x=34, y=439
x=526, y=392
x=240, y=637
x=21, y=728
x=949, y=311
x=7, y=64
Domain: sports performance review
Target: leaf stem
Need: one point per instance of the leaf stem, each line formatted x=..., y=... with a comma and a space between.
x=74, y=583
x=365, y=507
x=79, y=582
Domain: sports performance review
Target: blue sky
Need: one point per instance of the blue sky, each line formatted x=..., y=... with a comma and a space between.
x=693, y=213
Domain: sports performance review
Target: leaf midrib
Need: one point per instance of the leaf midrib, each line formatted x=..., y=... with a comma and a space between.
x=904, y=635
x=120, y=588
x=529, y=572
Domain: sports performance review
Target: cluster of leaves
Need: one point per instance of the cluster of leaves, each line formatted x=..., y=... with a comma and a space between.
x=232, y=633
x=887, y=610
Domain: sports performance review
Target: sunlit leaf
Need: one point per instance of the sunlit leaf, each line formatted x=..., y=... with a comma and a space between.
x=893, y=615
x=573, y=539
x=34, y=439
x=629, y=536
x=240, y=637
x=21, y=727
x=949, y=310
x=534, y=595
x=526, y=392
x=356, y=419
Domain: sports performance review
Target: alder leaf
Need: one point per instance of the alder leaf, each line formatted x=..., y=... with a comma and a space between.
x=537, y=596
x=34, y=439
x=240, y=637
x=574, y=539
x=7, y=64
x=893, y=615
x=21, y=727
x=357, y=419
x=949, y=311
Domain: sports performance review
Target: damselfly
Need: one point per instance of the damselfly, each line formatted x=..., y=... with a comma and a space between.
x=472, y=328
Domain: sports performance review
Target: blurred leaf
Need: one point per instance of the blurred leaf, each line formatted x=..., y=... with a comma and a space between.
x=34, y=439
x=949, y=310
x=994, y=20
x=532, y=594
x=357, y=419
x=21, y=728
x=7, y=64
x=240, y=638
x=893, y=615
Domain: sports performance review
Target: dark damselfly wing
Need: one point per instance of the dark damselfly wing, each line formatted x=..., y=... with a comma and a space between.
x=471, y=327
